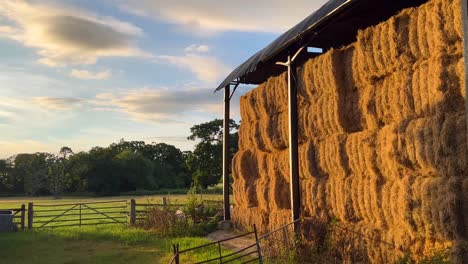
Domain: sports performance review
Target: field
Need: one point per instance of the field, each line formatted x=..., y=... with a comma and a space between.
x=93, y=244
x=11, y=202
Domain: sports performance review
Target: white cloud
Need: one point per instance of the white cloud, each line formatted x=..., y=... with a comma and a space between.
x=58, y=103
x=213, y=15
x=87, y=75
x=194, y=48
x=162, y=105
x=205, y=68
x=67, y=35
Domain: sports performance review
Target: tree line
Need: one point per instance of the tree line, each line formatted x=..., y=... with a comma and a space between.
x=125, y=166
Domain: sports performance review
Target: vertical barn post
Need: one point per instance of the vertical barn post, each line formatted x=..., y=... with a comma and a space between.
x=23, y=212
x=465, y=54
x=226, y=163
x=30, y=215
x=293, y=143
x=132, y=212
x=461, y=231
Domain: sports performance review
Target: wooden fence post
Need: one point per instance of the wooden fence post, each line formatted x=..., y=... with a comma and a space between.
x=164, y=201
x=80, y=215
x=23, y=212
x=132, y=212
x=30, y=215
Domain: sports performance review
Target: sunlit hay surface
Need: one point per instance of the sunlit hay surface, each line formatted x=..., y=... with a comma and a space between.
x=382, y=132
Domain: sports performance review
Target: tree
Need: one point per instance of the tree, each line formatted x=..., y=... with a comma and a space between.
x=56, y=177
x=137, y=171
x=57, y=172
x=170, y=170
x=4, y=175
x=103, y=173
x=65, y=151
x=206, y=160
x=32, y=170
x=78, y=167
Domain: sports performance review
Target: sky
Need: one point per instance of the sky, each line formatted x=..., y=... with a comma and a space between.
x=85, y=73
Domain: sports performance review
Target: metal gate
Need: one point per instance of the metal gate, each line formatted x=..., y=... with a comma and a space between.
x=79, y=214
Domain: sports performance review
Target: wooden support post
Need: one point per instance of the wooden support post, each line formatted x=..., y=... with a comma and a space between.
x=30, y=215
x=132, y=212
x=293, y=143
x=80, y=215
x=164, y=202
x=226, y=163
x=23, y=215
x=464, y=11
x=461, y=232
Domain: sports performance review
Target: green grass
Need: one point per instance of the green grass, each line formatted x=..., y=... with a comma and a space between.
x=16, y=202
x=117, y=210
x=96, y=244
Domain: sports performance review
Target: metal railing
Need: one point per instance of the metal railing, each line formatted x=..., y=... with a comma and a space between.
x=279, y=244
x=249, y=254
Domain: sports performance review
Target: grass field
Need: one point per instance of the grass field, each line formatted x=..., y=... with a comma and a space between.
x=94, y=244
x=65, y=212
x=11, y=202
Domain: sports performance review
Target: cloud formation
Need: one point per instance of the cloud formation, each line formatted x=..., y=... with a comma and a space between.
x=87, y=75
x=162, y=105
x=195, y=48
x=67, y=35
x=205, y=68
x=58, y=103
x=213, y=15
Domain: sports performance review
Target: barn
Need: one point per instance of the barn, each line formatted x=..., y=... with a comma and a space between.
x=359, y=119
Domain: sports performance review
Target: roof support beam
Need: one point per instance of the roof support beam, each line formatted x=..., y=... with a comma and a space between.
x=226, y=163
x=293, y=144
x=293, y=140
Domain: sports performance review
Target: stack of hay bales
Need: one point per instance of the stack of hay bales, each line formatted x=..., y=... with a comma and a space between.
x=383, y=145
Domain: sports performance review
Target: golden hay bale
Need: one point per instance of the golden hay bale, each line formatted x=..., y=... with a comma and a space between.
x=245, y=174
x=308, y=165
x=314, y=199
x=350, y=109
x=382, y=133
x=245, y=218
x=321, y=81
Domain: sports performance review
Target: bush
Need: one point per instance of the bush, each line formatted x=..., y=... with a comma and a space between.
x=197, y=218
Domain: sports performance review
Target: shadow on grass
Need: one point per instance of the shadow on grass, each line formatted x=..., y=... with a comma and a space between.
x=101, y=244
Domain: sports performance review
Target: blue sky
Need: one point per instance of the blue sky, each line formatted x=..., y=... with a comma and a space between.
x=88, y=73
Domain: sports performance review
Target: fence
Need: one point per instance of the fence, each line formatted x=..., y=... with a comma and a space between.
x=19, y=216
x=279, y=244
x=88, y=213
x=142, y=209
x=243, y=256
x=77, y=214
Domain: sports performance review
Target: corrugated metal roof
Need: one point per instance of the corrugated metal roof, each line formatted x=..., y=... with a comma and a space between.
x=333, y=25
